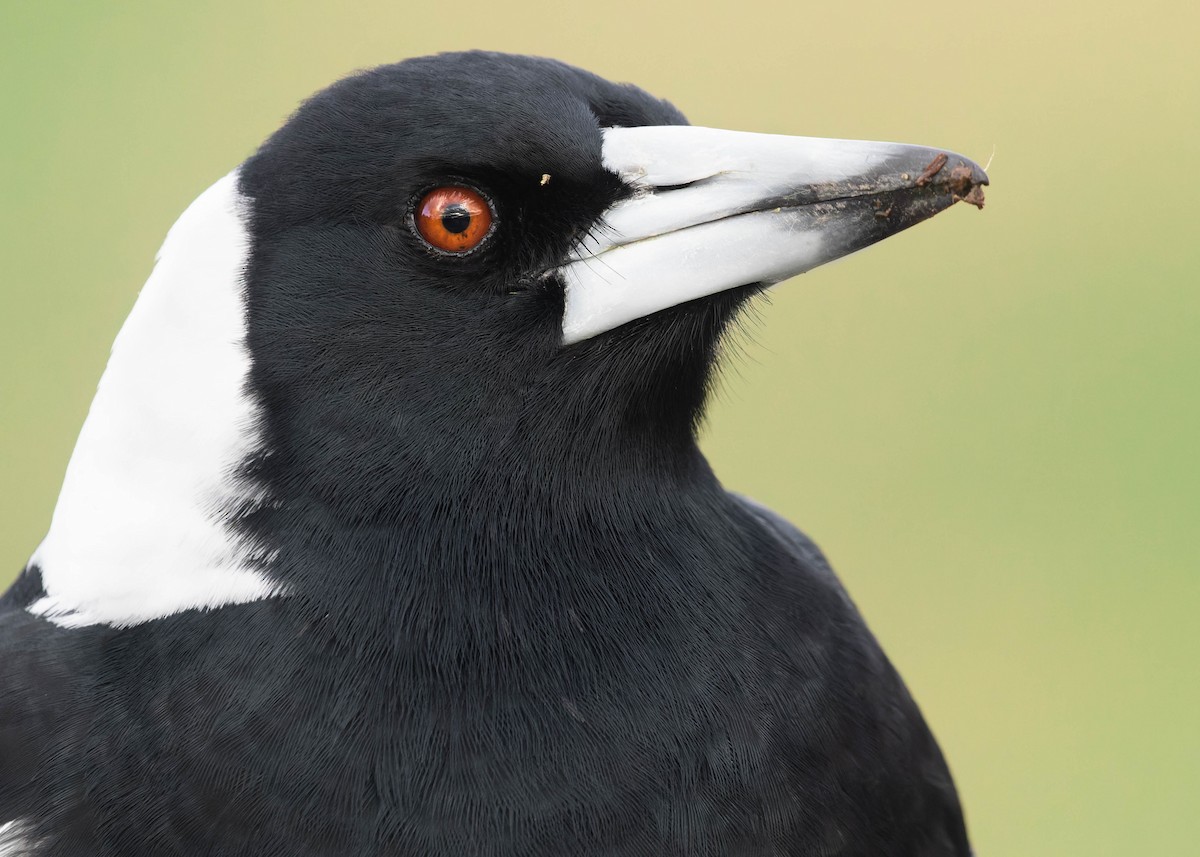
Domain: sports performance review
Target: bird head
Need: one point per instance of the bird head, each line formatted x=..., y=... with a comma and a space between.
x=466, y=281
x=476, y=257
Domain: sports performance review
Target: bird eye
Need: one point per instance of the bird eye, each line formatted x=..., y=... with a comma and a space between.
x=454, y=219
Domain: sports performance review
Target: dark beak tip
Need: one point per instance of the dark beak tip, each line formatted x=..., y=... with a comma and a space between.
x=978, y=174
x=966, y=181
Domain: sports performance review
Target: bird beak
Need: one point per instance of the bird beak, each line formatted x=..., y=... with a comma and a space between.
x=713, y=210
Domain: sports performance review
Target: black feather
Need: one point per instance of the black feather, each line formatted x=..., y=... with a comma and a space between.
x=524, y=619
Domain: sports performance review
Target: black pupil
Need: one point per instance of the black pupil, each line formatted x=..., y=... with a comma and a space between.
x=456, y=218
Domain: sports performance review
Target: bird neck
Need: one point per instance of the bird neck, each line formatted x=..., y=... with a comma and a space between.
x=518, y=551
x=388, y=488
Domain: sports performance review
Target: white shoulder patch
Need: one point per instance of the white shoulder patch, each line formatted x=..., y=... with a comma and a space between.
x=138, y=531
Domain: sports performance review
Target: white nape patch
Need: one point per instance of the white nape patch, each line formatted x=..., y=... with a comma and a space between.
x=12, y=840
x=138, y=532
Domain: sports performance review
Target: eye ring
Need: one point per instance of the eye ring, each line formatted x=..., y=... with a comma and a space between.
x=453, y=219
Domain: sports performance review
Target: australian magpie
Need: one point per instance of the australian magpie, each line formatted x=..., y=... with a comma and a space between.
x=388, y=534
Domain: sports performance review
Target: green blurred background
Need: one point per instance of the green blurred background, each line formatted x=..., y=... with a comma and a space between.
x=990, y=423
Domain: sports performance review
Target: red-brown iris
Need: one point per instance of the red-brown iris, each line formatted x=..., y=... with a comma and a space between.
x=454, y=219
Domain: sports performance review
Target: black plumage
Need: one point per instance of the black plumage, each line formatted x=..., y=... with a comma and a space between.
x=522, y=615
